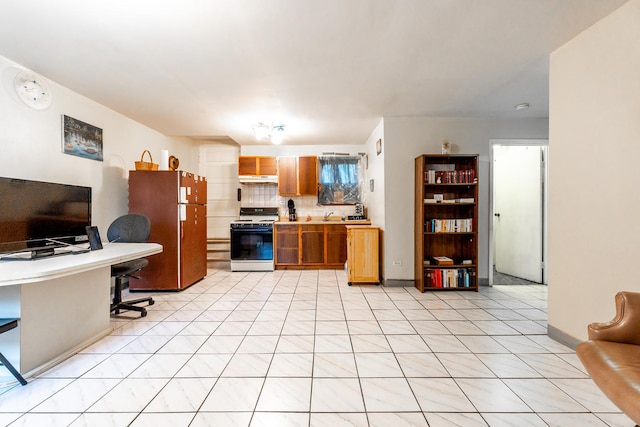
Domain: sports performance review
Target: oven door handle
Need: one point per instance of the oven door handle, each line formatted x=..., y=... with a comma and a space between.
x=254, y=229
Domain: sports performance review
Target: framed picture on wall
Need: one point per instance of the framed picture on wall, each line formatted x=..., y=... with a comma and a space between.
x=81, y=139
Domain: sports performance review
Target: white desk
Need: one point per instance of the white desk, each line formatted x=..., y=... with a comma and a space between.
x=62, y=302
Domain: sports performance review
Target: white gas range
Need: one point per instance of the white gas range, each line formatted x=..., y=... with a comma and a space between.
x=252, y=239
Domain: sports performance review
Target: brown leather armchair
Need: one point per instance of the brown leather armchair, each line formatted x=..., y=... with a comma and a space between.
x=612, y=355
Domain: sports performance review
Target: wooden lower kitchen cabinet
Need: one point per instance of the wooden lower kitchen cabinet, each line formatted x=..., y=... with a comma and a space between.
x=287, y=244
x=363, y=248
x=336, y=245
x=312, y=246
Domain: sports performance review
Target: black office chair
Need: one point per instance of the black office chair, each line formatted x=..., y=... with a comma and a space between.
x=131, y=228
x=7, y=325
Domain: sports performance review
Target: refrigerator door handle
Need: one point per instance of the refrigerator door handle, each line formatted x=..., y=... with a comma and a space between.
x=184, y=191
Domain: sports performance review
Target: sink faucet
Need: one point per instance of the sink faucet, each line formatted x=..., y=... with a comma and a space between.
x=327, y=215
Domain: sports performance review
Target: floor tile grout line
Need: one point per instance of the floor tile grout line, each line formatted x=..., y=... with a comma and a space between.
x=328, y=292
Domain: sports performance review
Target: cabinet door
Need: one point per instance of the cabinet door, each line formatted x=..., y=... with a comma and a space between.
x=308, y=175
x=288, y=176
x=312, y=240
x=336, y=236
x=363, y=255
x=287, y=246
x=256, y=165
x=267, y=166
x=247, y=165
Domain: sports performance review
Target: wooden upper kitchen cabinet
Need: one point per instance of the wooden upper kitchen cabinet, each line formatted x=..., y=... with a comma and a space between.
x=298, y=176
x=288, y=176
x=256, y=165
x=308, y=175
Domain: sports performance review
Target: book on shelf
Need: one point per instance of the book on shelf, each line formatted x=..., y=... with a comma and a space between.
x=461, y=225
x=443, y=260
x=449, y=201
x=449, y=277
x=436, y=175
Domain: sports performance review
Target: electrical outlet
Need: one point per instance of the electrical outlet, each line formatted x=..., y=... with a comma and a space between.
x=397, y=263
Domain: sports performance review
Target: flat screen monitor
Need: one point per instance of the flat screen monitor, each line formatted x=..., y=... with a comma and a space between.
x=38, y=216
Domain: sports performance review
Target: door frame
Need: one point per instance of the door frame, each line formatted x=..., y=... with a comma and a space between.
x=545, y=176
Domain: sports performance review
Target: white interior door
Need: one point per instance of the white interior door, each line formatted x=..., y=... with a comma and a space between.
x=518, y=211
x=219, y=163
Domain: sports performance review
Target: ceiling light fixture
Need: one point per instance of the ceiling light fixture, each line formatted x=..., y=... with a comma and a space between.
x=522, y=106
x=270, y=132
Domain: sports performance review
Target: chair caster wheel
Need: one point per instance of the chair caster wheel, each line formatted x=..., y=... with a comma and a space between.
x=143, y=313
x=152, y=302
x=350, y=283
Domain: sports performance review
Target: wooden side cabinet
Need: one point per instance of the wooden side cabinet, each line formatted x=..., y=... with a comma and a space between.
x=363, y=248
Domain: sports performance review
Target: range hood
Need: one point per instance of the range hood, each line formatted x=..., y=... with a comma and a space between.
x=258, y=179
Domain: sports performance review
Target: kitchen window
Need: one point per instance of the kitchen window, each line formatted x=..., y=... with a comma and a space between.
x=340, y=180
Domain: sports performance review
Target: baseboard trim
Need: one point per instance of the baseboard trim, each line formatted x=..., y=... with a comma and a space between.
x=562, y=337
x=398, y=283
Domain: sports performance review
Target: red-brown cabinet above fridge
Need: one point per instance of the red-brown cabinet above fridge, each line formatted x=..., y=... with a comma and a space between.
x=175, y=202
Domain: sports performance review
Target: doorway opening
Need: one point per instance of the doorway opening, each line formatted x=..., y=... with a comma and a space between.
x=518, y=212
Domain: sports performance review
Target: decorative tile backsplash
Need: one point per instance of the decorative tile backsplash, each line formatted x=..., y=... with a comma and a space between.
x=266, y=195
x=260, y=195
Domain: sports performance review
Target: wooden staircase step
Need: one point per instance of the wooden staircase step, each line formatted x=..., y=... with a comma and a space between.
x=218, y=249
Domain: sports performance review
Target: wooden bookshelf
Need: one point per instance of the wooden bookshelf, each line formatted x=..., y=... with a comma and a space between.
x=446, y=222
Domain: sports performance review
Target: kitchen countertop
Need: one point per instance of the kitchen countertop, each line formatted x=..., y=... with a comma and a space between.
x=320, y=221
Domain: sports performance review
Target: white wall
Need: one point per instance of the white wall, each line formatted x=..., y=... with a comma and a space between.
x=594, y=201
x=374, y=200
x=407, y=137
x=31, y=145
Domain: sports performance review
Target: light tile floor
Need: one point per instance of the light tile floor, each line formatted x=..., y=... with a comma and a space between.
x=301, y=348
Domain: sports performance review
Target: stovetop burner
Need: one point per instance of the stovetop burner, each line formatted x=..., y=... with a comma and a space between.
x=256, y=217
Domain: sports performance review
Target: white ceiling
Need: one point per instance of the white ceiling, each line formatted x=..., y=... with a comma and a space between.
x=327, y=69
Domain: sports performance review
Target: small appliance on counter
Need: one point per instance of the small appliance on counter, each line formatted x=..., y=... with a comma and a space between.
x=359, y=213
x=292, y=211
